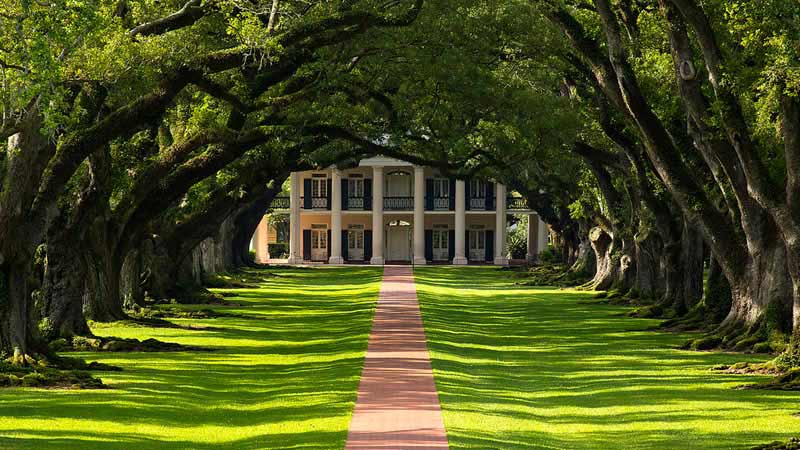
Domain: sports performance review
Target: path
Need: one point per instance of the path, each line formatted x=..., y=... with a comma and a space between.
x=397, y=406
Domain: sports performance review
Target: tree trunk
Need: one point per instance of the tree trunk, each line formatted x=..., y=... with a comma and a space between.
x=764, y=288
x=650, y=277
x=130, y=281
x=607, y=269
x=692, y=262
x=17, y=333
x=63, y=290
x=245, y=224
x=585, y=263
x=103, y=299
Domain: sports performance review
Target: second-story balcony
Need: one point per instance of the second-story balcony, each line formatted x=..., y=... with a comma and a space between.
x=355, y=203
x=280, y=202
x=319, y=202
x=314, y=203
x=398, y=203
x=441, y=203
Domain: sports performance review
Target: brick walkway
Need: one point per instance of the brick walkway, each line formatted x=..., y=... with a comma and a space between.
x=397, y=406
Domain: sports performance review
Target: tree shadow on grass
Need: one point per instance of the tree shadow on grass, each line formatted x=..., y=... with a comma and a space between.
x=522, y=367
x=285, y=376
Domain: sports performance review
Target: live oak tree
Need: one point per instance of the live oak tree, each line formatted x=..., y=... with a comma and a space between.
x=102, y=80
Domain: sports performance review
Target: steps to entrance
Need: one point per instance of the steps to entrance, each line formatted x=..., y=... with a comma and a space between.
x=398, y=406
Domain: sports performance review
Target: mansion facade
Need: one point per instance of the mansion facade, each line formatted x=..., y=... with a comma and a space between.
x=390, y=211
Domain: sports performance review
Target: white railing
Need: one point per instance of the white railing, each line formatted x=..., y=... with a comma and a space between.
x=355, y=202
x=477, y=204
x=319, y=202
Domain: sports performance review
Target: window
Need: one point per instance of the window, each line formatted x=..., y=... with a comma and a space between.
x=477, y=189
x=441, y=188
x=355, y=187
x=319, y=185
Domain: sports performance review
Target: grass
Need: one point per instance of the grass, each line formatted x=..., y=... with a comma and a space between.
x=519, y=367
x=284, y=375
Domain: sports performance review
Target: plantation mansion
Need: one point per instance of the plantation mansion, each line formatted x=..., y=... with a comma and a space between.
x=390, y=211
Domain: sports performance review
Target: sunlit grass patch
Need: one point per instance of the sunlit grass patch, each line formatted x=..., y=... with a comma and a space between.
x=525, y=367
x=283, y=374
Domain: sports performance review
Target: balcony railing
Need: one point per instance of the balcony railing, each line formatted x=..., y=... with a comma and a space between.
x=316, y=202
x=319, y=202
x=441, y=203
x=398, y=203
x=516, y=203
x=355, y=202
x=280, y=203
x=477, y=204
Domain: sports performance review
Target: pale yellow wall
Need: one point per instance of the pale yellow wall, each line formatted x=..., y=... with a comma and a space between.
x=357, y=219
x=306, y=220
x=440, y=219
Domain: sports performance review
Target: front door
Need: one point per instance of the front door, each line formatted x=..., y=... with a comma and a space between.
x=477, y=245
x=398, y=241
x=319, y=242
x=441, y=244
x=355, y=243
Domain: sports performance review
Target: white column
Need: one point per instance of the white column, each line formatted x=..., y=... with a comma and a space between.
x=419, y=215
x=261, y=241
x=544, y=234
x=533, y=238
x=336, y=218
x=295, y=256
x=377, y=216
x=500, y=228
x=461, y=224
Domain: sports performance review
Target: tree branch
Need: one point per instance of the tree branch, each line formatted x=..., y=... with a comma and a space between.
x=191, y=12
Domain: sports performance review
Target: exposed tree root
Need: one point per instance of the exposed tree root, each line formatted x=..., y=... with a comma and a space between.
x=238, y=280
x=553, y=275
x=745, y=368
x=50, y=372
x=112, y=344
x=792, y=444
x=789, y=381
x=156, y=316
x=764, y=336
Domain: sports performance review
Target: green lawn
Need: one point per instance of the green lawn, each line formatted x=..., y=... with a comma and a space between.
x=284, y=376
x=520, y=367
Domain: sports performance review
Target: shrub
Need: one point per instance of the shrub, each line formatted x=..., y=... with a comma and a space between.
x=550, y=255
x=278, y=250
x=33, y=379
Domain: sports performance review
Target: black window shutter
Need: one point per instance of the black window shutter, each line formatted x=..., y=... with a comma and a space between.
x=467, y=196
x=452, y=195
x=367, y=194
x=489, y=245
x=307, y=193
x=489, y=197
x=307, y=245
x=429, y=194
x=329, y=243
x=328, y=203
x=367, y=245
x=429, y=245
x=345, y=187
x=451, y=244
x=344, y=245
